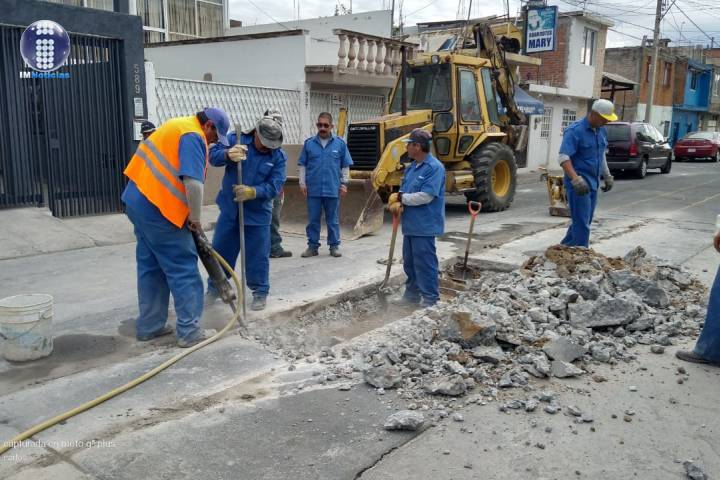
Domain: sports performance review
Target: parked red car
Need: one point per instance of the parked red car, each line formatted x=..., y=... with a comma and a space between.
x=698, y=145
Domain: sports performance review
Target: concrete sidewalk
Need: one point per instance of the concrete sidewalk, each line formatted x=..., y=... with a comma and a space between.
x=34, y=231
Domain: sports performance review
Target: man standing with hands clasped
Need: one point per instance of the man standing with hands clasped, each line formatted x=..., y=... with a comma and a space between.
x=421, y=201
x=582, y=158
x=324, y=172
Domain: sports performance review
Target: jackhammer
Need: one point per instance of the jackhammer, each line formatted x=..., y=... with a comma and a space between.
x=213, y=268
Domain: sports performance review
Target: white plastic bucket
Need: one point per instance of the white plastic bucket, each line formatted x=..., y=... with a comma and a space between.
x=26, y=327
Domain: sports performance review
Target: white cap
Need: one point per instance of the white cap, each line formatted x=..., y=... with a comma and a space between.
x=605, y=109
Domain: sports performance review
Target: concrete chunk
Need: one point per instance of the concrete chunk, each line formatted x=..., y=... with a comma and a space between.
x=563, y=349
x=405, y=420
x=562, y=369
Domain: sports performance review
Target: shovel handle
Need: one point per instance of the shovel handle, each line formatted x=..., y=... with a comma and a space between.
x=474, y=208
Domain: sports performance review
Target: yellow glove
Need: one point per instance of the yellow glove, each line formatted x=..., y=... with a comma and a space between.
x=393, y=198
x=237, y=153
x=395, y=208
x=243, y=193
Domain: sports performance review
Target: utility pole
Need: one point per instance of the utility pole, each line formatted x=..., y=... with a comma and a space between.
x=653, y=62
x=392, y=19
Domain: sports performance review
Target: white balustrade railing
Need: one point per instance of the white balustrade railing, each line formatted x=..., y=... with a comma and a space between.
x=363, y=53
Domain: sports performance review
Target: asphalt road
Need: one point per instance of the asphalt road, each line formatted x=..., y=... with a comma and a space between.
x=236, y=411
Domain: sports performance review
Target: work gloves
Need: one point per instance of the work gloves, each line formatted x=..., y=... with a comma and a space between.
x=394, y=204
x=243, y=193
x=237, y=153
x=580, y=186
x=608, y=183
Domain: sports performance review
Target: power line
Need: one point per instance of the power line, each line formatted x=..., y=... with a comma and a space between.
x=696, y=25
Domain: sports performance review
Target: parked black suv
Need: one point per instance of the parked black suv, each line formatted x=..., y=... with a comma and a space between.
x=637, y=146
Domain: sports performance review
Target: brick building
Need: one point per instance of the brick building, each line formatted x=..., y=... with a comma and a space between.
x=679, y=105
x=568, y=79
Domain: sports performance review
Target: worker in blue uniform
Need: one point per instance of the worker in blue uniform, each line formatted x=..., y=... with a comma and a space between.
x=263, y=172
x=707, y=346
x=582, y=158
x=163, y=200
x=421, y=204
x=324, y=175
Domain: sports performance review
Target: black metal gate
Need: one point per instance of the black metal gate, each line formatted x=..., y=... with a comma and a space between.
x=63, y=141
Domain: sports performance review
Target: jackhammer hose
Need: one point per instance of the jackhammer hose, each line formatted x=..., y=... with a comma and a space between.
x=7, y=445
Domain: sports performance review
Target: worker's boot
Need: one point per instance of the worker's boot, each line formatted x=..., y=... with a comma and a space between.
x=335, y=252
x=258, y=303
x=690, y=356
x=310, y=252
x=166, y=330
x=282, y=253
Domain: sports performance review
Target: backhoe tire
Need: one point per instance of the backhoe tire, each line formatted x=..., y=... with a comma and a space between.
x=495, y=172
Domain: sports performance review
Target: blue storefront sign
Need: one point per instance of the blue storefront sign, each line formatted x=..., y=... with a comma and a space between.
x=540, y=29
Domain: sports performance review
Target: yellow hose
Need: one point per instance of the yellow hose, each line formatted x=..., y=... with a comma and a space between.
x=7, y=445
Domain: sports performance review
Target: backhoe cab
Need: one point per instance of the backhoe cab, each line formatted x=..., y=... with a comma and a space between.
x=465, y=98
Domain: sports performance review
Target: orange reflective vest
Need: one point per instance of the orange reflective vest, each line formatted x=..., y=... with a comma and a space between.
x=155, y=168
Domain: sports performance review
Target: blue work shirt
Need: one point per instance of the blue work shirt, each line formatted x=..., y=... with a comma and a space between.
x=426, y=220
x=192, y=164
x=585, y=146
x=323, y=165
x=265, y=172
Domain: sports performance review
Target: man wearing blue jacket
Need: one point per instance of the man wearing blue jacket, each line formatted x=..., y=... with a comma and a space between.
x=582, y=158
x=421, y=201
x=263, y=172
x=324, y=173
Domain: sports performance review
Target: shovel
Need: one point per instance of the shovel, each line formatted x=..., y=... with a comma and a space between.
x=382, y=289
x=474, y=209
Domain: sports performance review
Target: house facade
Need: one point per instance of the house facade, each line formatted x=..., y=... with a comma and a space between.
x=692, y=99
x=567, y=81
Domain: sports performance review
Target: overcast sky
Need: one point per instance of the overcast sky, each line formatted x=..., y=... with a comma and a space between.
x=633, y=19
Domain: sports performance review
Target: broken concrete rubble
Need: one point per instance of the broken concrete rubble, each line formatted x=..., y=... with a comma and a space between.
x=405, y=420
x=563, y=349
x=564, y=311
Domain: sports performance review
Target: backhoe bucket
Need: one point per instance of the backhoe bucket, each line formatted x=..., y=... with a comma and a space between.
x=361, y=210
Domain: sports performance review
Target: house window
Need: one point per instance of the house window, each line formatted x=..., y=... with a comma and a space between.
x=693, y=81
x=546, y=123
x=587, y=52
x=165, y=20
x=716, y=84
x=666, y=74
x=568, y=117
x=666, y=128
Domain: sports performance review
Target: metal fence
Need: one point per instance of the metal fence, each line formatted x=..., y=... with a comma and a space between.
x=62, y=141
x=244, y=104
x=360, y=107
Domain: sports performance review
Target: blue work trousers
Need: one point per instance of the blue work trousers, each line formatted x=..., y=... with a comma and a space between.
x=167, y=262
x=708, y=344
x=421, y=268
x=316, y=205
x=275, y=237
x=582, y=208
x=226, y=241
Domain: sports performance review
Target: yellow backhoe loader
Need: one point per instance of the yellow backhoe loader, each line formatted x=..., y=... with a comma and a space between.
x=464, y=94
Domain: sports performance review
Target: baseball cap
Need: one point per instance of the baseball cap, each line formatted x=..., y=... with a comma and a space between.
x=423, y=137
x=275, y=114
x=146, y=127
x=605, y=109
x=221, y=121
x=270, y=132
